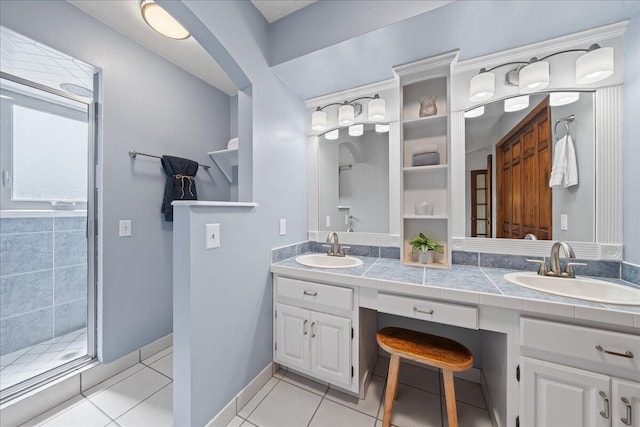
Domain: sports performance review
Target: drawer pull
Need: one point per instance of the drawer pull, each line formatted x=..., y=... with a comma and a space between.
x=310, y=293
x=628, y=421
x=605, y=413
x=626, y=354
x=313, y=334
x=417, y=310
x=304, y=327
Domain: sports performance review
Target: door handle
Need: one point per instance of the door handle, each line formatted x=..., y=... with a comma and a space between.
x=605, y=413
x=628, y=421
x=310, y=293
x=626, y=354
x=417, y=310
x=313, y=334
x=304, y=327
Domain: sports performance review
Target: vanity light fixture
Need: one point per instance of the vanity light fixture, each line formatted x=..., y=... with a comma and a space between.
x=476, y=112
x=332, y=134
x=348, y=111
x=563, y=98
x=516, y=104
x=595, y=64
x=356, y=130
x=382, y=128
x=161, y=21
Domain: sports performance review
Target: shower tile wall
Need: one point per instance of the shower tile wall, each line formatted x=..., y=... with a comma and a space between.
x=43, y=279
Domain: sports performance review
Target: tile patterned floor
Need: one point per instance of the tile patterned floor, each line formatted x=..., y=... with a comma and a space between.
x=142, y=396
x=36, y=359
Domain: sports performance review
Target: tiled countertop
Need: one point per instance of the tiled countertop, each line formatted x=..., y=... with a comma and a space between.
x=468, y=284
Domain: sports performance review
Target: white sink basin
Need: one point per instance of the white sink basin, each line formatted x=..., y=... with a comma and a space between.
x=580, y=287
x=326, y=261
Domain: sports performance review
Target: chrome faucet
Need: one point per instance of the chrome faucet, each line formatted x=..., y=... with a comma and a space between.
x=334, y=248
x=555, y=262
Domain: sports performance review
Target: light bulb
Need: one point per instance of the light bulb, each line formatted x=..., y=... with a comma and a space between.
x=346, y=115
x=161, y=21
x=356, y=130
x=476, y=112
x=595, y=65
x=516, y=104
x=318, y=120
x=534, y=77
x=333, y=134
x=482, y=86
x=376, y=109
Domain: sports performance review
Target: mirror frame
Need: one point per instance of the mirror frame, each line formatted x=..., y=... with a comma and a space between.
x=392, y=238
x=608, y=152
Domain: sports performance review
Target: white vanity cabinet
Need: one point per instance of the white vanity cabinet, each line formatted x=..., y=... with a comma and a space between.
x=589, y=376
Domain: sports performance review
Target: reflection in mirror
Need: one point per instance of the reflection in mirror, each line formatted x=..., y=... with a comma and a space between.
x=530, y=168
x=353, y=184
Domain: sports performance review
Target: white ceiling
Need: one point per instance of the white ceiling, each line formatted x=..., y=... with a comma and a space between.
x=124, y=16
x=273, y=10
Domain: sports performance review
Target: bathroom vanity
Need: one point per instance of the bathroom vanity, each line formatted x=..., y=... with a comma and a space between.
x=543, y=357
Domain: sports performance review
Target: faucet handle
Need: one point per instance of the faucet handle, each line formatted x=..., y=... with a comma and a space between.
x=542, y=267
x=342, y=249
x=568, y=268
x=328, y=247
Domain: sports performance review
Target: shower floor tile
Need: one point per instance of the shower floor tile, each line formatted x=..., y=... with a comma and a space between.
x=31, y=361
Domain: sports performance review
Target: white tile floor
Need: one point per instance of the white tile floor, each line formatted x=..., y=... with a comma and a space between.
x=142, y=396
x=34, y=360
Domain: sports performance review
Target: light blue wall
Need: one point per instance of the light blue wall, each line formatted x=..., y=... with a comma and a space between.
x=223, y=325
x=152, y=106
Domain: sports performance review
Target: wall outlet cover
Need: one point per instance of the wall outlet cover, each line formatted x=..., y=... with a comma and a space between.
x=283, y=226
x=125, y=228
x=211, y=236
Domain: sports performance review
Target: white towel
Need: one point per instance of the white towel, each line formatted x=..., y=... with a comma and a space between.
x=421, y=148
x=564, y=170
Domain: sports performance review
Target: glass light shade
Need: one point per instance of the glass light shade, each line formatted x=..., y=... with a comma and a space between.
x=318, y=120
x=534, y=77
x=346, y=115
x=476, y=112
x=331, y=135
x=594, y=65
x=563, y=98
x=356, y=130
x=376, y=109
x=382, y=128
x=516, y=104
x=482, y=87
x=161, y=21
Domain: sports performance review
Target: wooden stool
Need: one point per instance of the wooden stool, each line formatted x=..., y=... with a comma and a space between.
x=440, y=352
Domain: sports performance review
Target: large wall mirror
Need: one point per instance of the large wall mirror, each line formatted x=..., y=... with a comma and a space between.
x=530, y=168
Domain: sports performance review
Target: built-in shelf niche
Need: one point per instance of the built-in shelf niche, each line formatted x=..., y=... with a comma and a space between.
x=225, y=160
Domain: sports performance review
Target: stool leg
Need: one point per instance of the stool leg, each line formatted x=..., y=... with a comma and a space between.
x=450, y=397
x=392, y=387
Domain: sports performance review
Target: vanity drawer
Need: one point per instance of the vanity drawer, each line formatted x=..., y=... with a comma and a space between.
x=313, y=294
x=580, y=342
x=439, y=312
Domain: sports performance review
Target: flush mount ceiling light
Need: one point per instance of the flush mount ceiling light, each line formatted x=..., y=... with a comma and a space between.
x=563, y=98
x=594, y=65
x=356, y=130
x=382, y=128
x=333, y=134
x=77, y=90
x=476, y=112
x=348, y=111
x=516, y=104
x=161, y=21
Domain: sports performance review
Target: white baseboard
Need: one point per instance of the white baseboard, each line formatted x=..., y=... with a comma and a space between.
x=156, y=346
x=232, y=408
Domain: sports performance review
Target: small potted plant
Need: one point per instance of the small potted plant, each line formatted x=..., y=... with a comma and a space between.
x=425, y=246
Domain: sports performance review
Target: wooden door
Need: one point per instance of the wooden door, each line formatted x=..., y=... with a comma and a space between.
x=480, y=208
x=554, y=395
x=292, y=337
x=331, y=348
x=524, y=199
x=625, y=403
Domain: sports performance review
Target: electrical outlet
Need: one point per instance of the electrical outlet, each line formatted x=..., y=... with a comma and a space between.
x=346, y=219
x=328, y=221
x=125, y=228
x=283, y=226
x=211, y=236
x=564, y=219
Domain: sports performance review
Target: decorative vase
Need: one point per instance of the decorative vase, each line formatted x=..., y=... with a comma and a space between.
x=428, y=106
x=425, y=257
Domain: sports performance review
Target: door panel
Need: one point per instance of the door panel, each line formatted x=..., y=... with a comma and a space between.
x=331, y=348
x=625, y=413
x=292, y=336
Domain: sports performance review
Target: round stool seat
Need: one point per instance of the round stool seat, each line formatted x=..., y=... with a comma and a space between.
x=433, y=350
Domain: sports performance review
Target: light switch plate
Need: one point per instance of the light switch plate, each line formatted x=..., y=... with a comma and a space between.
x=328, y=223
x=283, y=226
x=125, y=228
x=211, y=236
x=564, y=219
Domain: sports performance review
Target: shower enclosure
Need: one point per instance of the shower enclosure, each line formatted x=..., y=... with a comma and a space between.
x=47, y=221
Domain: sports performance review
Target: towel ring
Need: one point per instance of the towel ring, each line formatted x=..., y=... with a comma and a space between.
x=565, y=121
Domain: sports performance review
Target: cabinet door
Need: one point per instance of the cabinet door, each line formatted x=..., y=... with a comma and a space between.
x=554, y=395
x=331, y=348
x=625, y=403
x=292, y=337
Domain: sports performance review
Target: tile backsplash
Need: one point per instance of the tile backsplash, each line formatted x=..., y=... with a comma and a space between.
x=279, y=254
x=43, y=279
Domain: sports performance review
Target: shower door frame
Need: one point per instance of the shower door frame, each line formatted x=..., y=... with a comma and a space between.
x=92, y=242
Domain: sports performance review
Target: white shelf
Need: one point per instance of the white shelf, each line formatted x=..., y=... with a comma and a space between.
x=413, y=216
x=418, y=169
x=225, y=160
x=437, y=120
